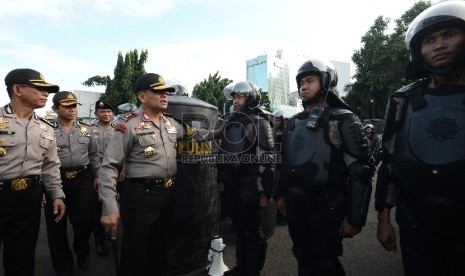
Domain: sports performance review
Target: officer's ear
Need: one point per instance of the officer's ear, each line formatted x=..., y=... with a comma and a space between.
x=141, y=96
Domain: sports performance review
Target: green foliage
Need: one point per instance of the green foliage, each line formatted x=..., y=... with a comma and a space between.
x=380, y=64
x=264, y=101
x=120, y=89
x=211, y=91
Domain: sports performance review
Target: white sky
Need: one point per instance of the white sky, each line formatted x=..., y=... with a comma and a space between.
x=69, y=41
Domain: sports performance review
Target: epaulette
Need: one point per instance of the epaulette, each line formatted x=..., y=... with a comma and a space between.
x=42, y=119
x=128, y=116
x=83, y=123
x=168, y=114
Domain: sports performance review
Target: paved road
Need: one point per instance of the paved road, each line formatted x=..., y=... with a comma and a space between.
x=362, y=255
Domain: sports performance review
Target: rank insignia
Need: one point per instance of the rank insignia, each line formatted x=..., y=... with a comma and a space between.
x=2, y=141
x=2, y=152
x=149, y=151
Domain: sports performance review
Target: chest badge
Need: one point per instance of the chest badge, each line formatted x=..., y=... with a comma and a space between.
x=149, y=151
x=442, y=128
x=3, y=123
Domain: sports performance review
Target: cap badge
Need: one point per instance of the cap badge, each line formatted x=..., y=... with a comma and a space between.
x=101, y=104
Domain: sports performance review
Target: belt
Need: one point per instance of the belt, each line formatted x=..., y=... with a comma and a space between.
x=72, y=173
x=160, y=183
x=20, y=184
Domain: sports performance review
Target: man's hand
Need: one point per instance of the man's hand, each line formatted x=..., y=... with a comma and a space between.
x=110, y=223
x=386, y=233
x=96, y=183
x=346, y=230
x=264, y=201
x=59, y=209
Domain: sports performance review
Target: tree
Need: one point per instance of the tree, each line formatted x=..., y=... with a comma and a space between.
x=211, y=91
x=380, y=64
x=120, y=89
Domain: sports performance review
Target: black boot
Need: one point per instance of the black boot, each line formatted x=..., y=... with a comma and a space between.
x=256, y=255
x=241, y=259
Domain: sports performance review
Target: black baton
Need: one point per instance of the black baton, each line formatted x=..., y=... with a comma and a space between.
x=114, y=246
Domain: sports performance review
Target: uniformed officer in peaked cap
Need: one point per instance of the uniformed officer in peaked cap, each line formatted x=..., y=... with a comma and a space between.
x=77, y=150
x=29, y=163
x=146, y=140
x=102, y=130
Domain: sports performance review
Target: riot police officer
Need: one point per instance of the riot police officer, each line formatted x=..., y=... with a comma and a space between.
x=146, y=140
x=422, y=171
x=325, y=177
x=28, y=158
x=78, y=154
x=373, y=142
x=244, y=172
x=102, y=130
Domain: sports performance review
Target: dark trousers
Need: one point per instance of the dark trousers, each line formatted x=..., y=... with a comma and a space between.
x=245, y=212
x=426, y=253
x=144, y=217
x=80, y=209
x=314, y=231
x=99, y=232
x=19, y=229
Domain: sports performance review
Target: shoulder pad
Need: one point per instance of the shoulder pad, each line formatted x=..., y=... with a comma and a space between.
x=336, y=111
x=128, y=116
x=42, y=119
x=418, y=85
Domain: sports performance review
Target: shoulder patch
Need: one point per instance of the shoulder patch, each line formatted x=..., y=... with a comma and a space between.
x=120, y=128
x=128, y=116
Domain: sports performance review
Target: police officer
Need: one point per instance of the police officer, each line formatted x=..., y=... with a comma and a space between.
x=244, y=173
x=78, y=154
x=28, y=158
x=102, y=130
x=145, y=139
x=373, y=141
x=325, y=178
x=422, y=171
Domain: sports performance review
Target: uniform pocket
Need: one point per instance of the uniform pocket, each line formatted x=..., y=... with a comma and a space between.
x=84, y=144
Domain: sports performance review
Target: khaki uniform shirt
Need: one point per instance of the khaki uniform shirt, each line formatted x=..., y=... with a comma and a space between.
x=78, y=147
x=148, y=151
x=28, y=148
x=102, y=135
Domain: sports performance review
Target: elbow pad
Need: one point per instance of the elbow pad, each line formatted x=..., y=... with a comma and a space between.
x=354, y=141
x=359, y=193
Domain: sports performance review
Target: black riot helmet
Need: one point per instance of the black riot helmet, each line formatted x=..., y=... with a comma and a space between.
x=328, y=81
x=439, y=16
x=326, y=71
x=246, y=89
